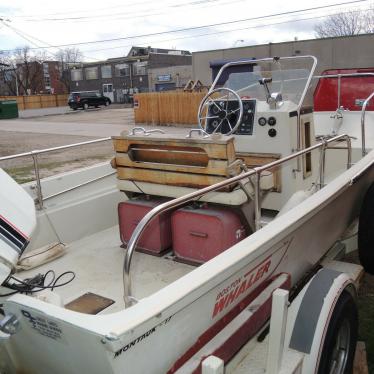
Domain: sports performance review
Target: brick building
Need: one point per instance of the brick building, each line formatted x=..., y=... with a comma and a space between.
x=52, y=78
x=32, y=78
x=119, y=78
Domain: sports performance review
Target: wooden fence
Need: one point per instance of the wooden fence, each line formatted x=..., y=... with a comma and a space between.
x=38, y=101
x=167, y=107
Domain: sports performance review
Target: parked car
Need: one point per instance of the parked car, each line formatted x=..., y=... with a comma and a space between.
x=86, y=99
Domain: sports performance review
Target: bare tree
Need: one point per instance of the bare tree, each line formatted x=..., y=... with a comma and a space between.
x=341, y=24
x=68, y=58
x=29, y=70
x=23, y=71
x=368, y=20
x=8, y=75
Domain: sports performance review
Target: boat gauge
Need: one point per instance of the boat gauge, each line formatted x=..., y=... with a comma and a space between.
x=272, y=133
x=262, y=121
x=272, y=121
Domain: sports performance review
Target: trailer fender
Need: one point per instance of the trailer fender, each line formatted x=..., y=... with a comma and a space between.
x=312, y=312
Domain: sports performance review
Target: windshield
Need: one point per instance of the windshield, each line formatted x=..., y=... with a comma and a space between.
x=287, y=80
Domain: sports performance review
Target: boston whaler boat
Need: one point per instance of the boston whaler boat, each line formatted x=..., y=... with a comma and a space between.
x=230, y=236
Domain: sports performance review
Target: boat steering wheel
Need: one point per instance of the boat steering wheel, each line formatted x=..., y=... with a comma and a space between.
x=209, y=109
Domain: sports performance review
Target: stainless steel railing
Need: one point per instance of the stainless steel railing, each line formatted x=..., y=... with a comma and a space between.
x=256, y=172
x=363, y=113
x=35, y=153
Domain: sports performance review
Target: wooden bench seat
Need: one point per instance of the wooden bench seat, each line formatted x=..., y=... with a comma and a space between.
x=175, y=161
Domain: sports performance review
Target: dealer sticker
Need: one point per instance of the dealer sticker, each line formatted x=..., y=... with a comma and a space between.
x=43, y=326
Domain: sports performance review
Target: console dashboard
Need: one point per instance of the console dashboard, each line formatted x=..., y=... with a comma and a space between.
x=218, y=110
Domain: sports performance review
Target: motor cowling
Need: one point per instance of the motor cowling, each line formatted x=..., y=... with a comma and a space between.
x=17, y=222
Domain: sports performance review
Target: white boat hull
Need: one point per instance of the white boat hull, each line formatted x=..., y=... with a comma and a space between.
x=163, y=330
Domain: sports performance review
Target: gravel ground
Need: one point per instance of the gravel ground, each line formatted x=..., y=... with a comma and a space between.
x=48, y=131
x=52, y=163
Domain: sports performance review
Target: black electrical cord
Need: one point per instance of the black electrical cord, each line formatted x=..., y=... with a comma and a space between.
x=36, y=284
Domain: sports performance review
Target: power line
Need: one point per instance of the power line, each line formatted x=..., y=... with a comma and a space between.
x=128, y=14
x=202, y=26
x=87, y=10
x=133, y=15
x=29, y=38
x=217, y=32
x=20, y=34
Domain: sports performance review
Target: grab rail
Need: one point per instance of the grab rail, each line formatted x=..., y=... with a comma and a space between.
x=363, y=113
x=34, y=154
x=128, y=298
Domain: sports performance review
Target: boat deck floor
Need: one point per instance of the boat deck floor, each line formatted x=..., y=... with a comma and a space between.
x=97, y=261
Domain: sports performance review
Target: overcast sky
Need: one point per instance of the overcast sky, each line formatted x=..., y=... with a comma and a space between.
x=50, y=22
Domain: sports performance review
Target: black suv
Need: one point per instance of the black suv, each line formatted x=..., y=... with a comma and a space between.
x=88, y=98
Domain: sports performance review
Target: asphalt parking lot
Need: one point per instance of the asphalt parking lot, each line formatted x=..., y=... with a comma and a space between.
x=99, y=122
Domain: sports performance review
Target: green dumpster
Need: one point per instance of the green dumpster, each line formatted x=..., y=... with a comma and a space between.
x=8, y=109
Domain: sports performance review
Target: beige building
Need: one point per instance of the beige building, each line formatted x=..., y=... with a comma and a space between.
x=169, y=78
x=343, y=52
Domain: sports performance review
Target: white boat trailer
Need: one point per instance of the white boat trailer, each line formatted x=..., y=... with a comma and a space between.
x=278, y=349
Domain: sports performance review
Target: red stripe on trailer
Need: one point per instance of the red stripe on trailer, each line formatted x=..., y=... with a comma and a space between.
x=242, y=333
x=14, y=227
x=249, y=329
x=226, y=319
x=238, y=340
x=217, y=327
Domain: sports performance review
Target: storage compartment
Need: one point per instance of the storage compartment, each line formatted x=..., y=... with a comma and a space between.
x=203, y=233
x=157, y=236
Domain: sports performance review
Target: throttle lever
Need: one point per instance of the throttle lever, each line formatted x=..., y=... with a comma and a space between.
x=264, y=81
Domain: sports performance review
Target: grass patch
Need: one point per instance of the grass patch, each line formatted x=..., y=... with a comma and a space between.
x=24, y=174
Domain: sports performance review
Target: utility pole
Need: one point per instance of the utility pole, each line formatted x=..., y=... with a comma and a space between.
x=15, y=73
